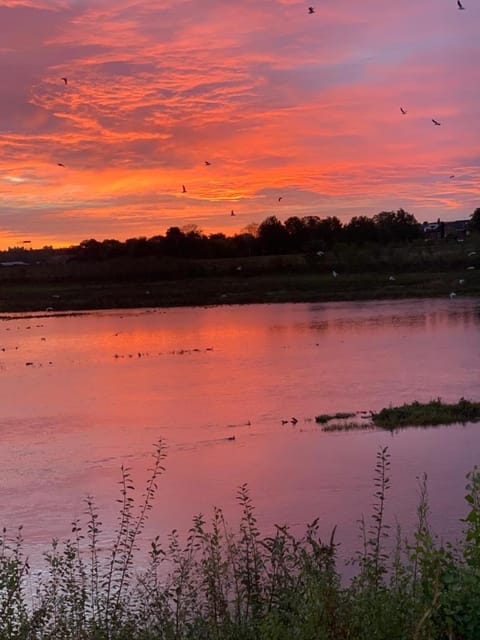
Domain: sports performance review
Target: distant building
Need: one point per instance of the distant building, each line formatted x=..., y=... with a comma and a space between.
x=454, y=230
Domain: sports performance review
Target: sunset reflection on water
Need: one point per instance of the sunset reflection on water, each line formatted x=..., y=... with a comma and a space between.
x=101, y=388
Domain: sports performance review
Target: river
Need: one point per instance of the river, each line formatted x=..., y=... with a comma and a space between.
x=82, y=394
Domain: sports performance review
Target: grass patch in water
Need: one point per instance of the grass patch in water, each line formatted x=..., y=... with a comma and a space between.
x=323, y=418
x=347, y=426
x=430, y=413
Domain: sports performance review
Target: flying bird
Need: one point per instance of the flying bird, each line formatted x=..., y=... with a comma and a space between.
x=436, y=122
x=460, y=5
x=207, y=163
x=183, y=189
x=452, y=176
x=64, y=79
x=404, y=111
x=60, y=164
x=311, y=10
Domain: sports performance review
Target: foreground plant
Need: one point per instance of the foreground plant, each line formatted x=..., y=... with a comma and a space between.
x=217, y=583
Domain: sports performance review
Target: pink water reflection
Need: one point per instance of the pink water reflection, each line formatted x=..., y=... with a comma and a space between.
x=103, y=387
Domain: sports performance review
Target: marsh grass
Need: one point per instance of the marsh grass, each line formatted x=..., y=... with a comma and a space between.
x=323, y=418
x=434, y=412
x=219, y=583
x=348, y=426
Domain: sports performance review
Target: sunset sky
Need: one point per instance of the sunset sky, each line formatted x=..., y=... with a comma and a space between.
x=280, y=102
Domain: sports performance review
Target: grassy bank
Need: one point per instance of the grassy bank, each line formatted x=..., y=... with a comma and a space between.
x=221, y=584
x=367, y=272
x=139, y=292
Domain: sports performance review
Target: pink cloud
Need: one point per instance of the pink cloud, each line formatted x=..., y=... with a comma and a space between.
x=277, y=99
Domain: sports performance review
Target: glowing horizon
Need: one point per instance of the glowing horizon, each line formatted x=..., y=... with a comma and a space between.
x=279, y=102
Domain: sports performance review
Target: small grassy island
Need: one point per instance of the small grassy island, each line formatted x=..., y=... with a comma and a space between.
x=415, y=414
x=435, y=412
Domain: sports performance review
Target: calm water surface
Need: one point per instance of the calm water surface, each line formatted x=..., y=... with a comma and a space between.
x=82, y=394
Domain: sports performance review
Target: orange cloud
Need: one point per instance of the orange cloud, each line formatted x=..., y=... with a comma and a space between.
x=274, y=98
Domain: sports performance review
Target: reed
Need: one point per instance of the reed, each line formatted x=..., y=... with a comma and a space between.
x=219, y=583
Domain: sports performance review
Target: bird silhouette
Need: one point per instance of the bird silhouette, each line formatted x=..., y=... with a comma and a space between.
x=311, y=10
x=232, y=212
x=207, y=163
x=183, y=189
x=436, y=122
x=280, y=198
x=452, y=176
x=60, y=164
x=460, y=5
x=404, y=111
x=64, y=79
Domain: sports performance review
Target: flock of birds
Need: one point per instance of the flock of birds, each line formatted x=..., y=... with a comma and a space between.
x=311, y=11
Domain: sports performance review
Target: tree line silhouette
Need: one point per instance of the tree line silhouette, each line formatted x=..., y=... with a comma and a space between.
x=308, y=234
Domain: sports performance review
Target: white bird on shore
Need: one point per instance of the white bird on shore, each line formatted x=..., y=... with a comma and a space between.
x=334, y=273
x=452, y=295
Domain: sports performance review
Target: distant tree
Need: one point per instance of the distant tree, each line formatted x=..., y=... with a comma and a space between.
x=251, y=229
x=396, y=226
x=313, y=241
x=360, y=229
x=297, y=233
x=272, y=236
x=112, y=249
x=330, y=230
x=156, y=245
x=475, y=221
x=174, y=242
x=191, y=228
x=195, y=243
x=90, y=250
x=218, y=245
x=137, y=247
x=244, y=244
